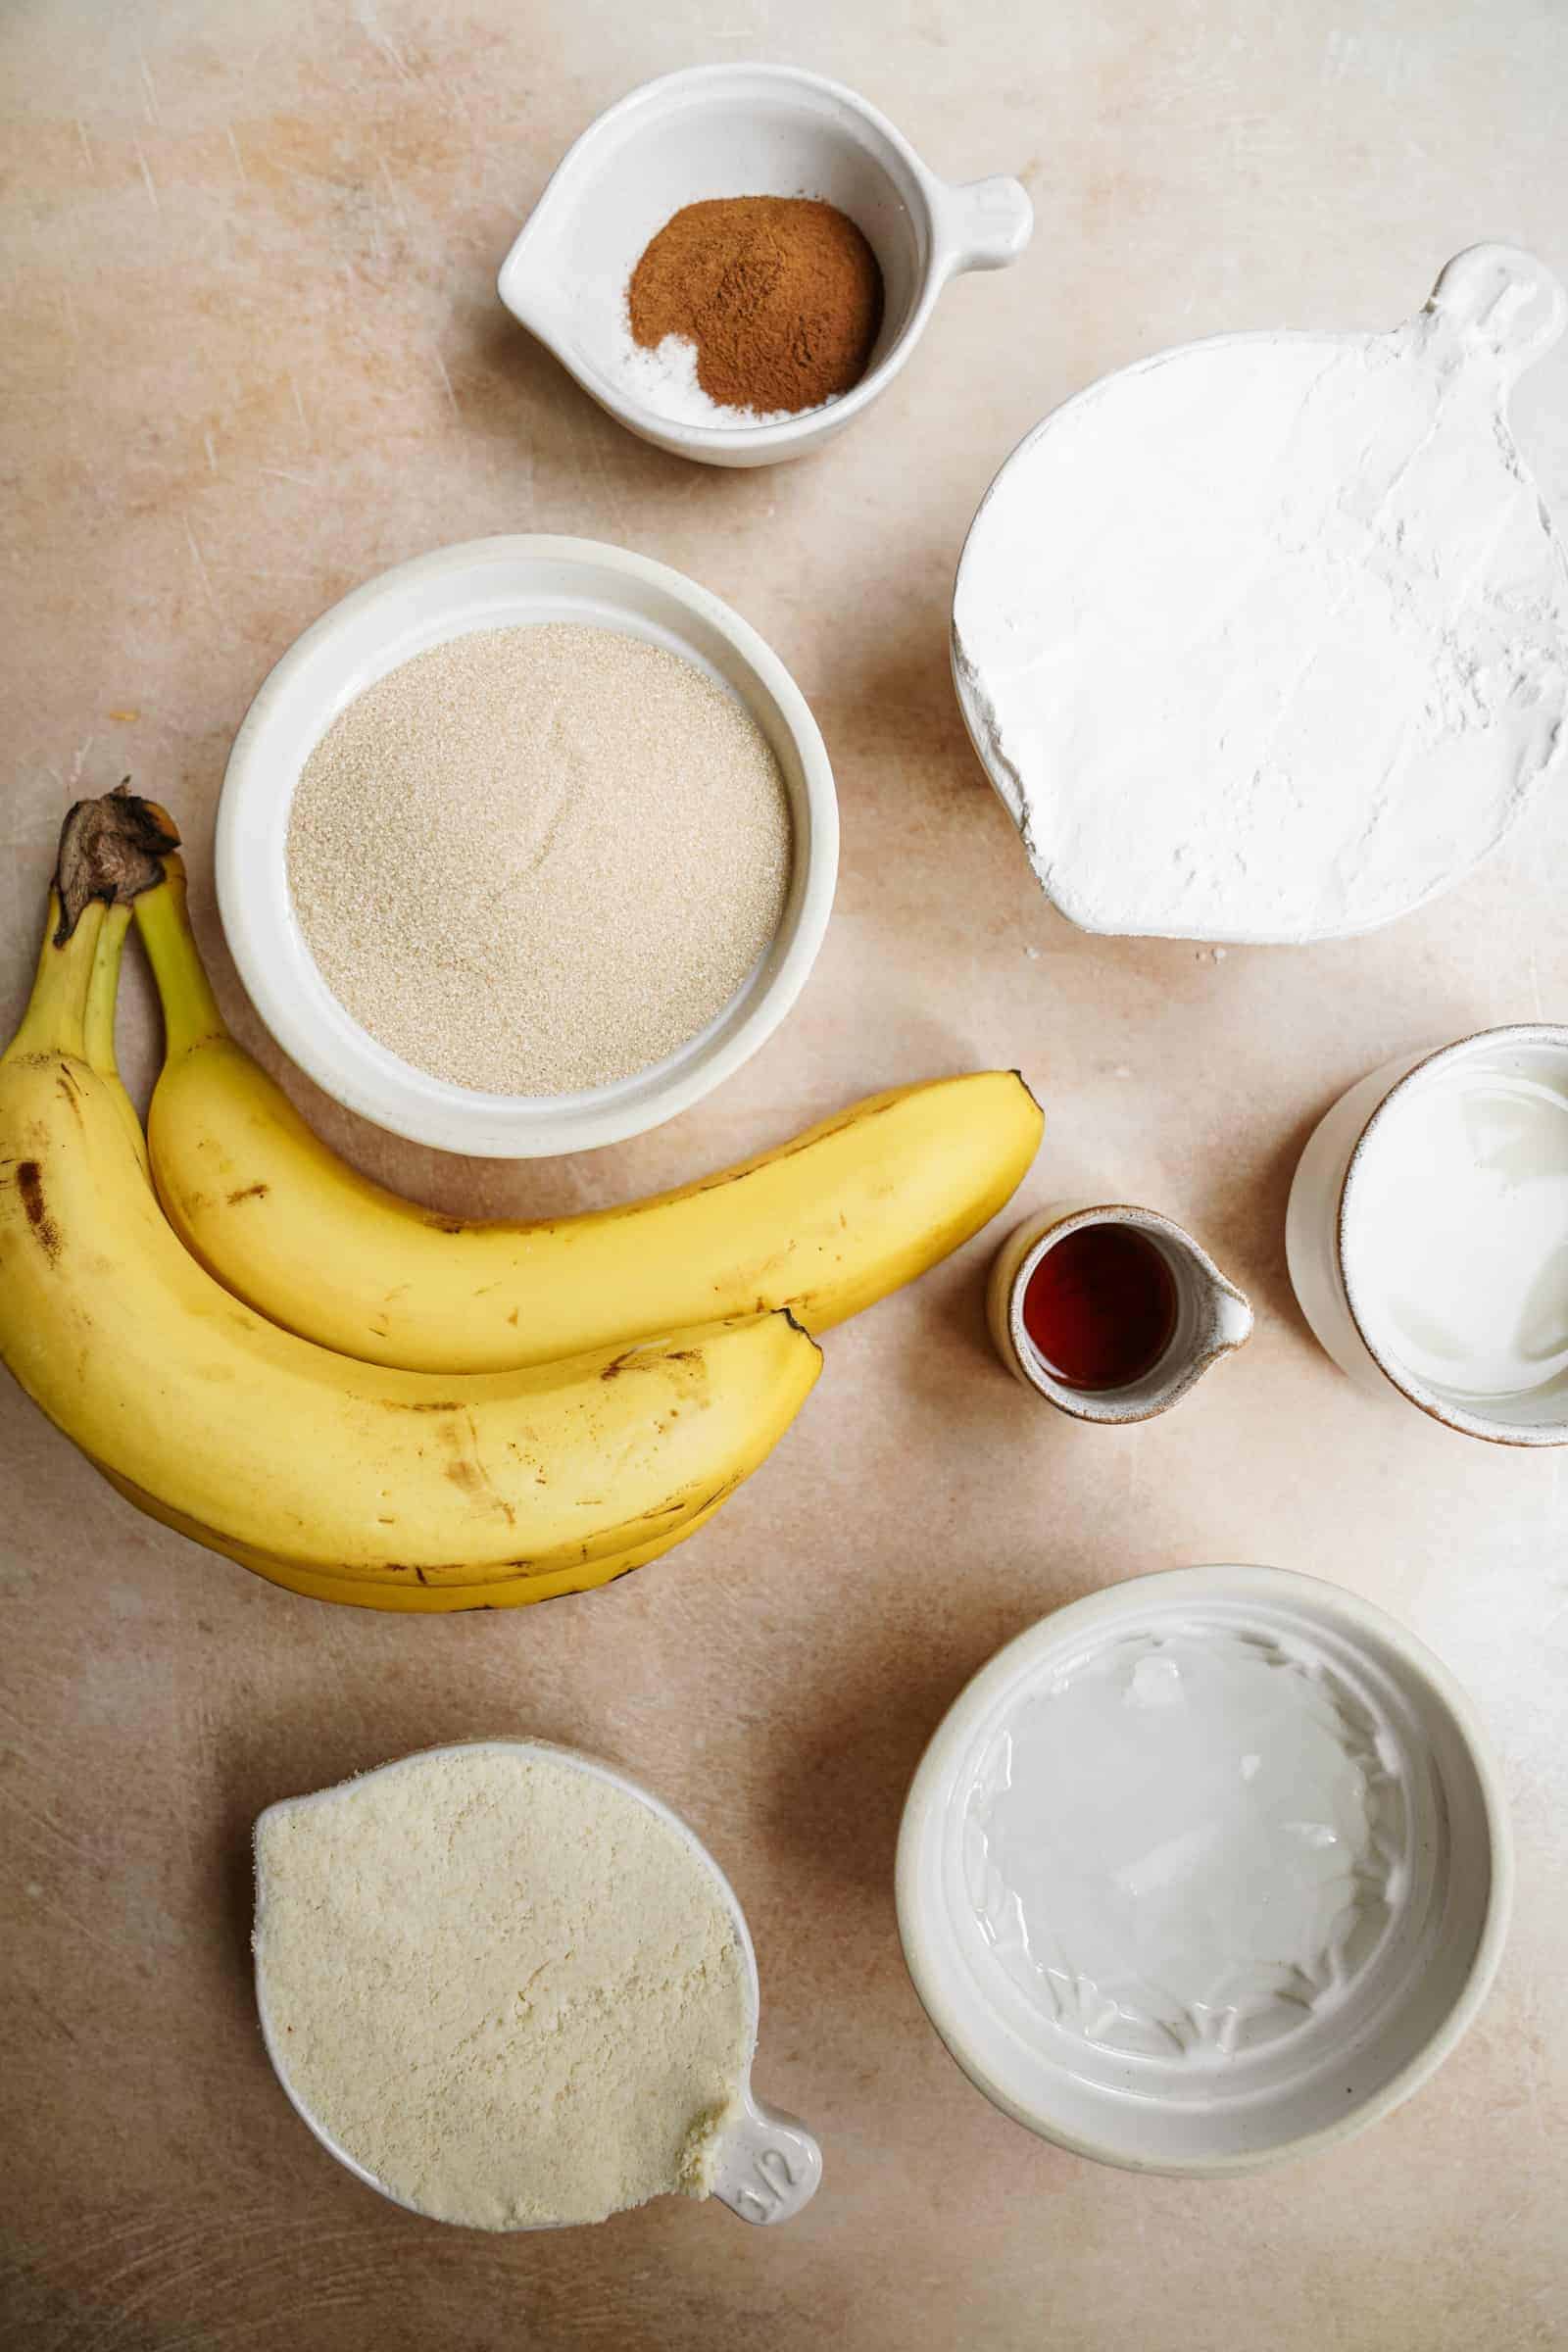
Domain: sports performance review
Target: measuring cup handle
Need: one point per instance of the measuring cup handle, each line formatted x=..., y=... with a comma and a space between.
x=768, y=2166
x=986, y=222
x=1506, y=305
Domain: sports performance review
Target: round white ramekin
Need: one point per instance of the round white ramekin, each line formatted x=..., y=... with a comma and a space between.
x=744, y=131
x=1326, y=1255
x=490, y=584
x=768, y=2166
x=1396, y=2024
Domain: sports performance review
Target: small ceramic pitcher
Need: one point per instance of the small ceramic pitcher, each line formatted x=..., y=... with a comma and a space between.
x=1213, y=1316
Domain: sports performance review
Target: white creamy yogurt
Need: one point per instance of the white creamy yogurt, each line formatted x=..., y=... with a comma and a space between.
x=1462, y=1229
x=1187, y=1844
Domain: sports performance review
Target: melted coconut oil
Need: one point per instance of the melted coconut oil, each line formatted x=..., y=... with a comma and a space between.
x=1188, y=1844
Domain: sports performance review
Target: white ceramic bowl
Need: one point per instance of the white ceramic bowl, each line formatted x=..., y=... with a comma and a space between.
x=744, y=131
x=1325, y=1240
x=487, y=584
x=1086, y=681
x=1405, y=2008
x=768, y=2166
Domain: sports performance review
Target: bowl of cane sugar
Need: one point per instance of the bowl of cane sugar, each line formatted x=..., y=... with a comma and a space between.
x=1427, y=1233
x=1208, y=1870
x=525, y=846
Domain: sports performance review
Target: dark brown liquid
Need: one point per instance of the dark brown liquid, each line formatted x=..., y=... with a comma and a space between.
x=1101, y=1307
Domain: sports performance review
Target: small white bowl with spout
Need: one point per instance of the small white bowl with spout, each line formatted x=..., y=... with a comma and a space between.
x=1211, y=1317
x=744, y=131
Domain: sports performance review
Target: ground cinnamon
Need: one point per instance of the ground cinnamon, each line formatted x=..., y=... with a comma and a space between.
x=781, y=295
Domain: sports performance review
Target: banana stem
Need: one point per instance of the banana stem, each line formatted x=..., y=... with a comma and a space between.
x=190, y=1009
x=98, y=1027
x=103, y=993
x=55, y=1021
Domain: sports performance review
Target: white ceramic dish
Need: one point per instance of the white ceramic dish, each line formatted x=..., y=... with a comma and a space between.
x=1213, y=1316
x=1326, y=1244
x=1260, y=478
x=768, y=2167
x=744, y=131
x=484, y=584
x=1404, y=2009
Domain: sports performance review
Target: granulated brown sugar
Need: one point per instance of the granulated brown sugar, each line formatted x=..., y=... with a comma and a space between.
x=537, y=860
x=781, y=296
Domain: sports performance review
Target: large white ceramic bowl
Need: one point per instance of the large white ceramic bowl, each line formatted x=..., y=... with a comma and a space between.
x=1414, y=1989
x=1224, y=664
x=744, y=131
x=489, y=584
x=1357, y=1149
x=769, y=2165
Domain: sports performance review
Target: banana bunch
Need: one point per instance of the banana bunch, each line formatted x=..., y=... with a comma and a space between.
x=369, y=1403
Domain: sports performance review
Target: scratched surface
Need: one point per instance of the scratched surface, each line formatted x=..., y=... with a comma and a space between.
x=251, y=354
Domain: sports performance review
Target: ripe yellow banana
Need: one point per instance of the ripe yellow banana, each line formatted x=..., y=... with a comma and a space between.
x=823, y=1225
x=393, y=1488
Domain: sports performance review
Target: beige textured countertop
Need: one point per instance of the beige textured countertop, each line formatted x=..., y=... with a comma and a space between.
x=251, y=354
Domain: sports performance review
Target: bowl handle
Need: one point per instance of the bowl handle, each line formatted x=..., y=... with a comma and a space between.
x=1502, y=303
x=986, y=222
x=769, y=2165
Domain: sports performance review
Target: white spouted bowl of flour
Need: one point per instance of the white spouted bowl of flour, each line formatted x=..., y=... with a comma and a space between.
x=1266, y=639
x=507, y=1988
x=526, y=846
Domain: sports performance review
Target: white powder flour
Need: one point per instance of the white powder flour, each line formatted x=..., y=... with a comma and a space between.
x=1267, y=639
x=506, y=1987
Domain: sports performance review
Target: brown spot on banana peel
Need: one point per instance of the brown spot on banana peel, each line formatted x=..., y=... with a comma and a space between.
x=249, y=1192
x=469, y=1479
x=29, y=1184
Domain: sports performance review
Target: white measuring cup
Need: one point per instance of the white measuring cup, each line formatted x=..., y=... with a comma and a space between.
x=1394, y=736
x=769, y=2165
x=745, y=130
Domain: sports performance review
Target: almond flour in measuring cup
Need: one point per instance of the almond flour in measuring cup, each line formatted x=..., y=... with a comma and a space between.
x=504, y=1987
x=534, y=860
